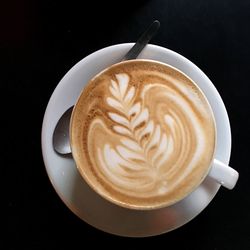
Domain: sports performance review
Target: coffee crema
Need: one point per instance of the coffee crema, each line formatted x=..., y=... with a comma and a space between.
x=142, y=134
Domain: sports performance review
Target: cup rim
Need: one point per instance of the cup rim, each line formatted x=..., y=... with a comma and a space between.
x=112, y=198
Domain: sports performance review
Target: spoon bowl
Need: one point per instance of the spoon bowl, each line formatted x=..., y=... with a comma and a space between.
x=61, y=140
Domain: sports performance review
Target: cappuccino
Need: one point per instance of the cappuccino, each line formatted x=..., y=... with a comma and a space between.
x=142, y=134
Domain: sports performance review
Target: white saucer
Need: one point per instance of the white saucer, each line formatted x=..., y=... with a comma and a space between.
x=77, y=195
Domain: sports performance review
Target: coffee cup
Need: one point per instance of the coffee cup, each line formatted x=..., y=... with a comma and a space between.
x=143, y=136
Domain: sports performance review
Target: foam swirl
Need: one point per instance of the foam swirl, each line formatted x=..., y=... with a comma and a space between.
x=149, y=132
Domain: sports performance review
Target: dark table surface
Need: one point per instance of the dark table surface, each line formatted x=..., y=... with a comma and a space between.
x=40, y=42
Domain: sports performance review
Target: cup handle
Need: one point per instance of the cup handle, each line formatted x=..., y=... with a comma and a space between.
x=223, y=174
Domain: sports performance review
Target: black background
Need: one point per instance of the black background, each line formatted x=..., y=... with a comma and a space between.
x=40, y=42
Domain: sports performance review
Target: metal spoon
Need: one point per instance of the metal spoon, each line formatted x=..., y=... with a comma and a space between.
x=61, y=141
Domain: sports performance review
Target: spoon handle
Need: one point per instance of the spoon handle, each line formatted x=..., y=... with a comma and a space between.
x=142, y=41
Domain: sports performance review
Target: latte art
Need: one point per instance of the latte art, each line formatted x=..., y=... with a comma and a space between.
x=149, y=154
x=146, y=135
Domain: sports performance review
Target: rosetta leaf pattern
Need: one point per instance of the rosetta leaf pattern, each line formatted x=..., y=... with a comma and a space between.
x=143, y=144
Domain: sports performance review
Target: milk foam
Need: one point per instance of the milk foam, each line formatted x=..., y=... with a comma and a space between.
x=148, y=134
x=148, y=160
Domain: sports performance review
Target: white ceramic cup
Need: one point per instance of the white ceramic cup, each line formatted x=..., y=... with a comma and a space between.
x=220, y=172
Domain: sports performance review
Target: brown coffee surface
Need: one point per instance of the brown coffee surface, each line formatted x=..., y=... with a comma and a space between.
x=142, y=134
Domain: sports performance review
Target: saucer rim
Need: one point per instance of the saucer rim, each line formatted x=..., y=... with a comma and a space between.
x=59, y=85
